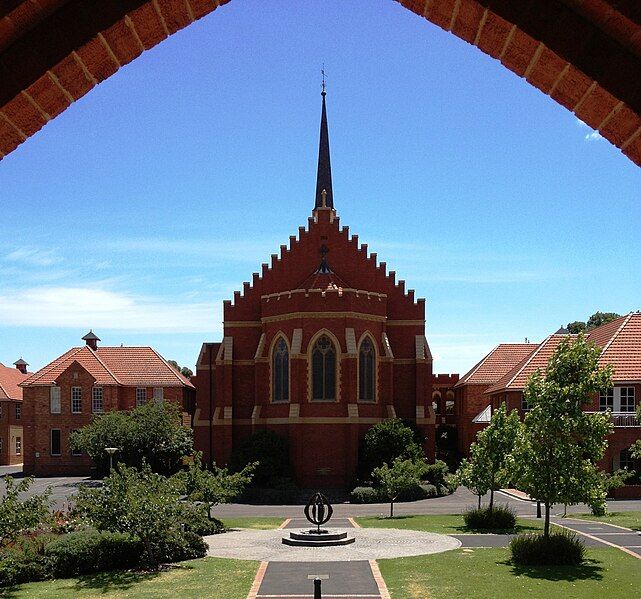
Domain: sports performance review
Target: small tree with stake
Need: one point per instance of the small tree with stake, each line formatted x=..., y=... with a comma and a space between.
x=559, y=445
x=20, y=515
x=400, y=476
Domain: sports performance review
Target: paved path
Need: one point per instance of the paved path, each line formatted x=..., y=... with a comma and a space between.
x=600, y=533
x=358, y=579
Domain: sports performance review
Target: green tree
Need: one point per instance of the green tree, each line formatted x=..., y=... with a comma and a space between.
x=596, y=320
x=559, y=445
x=21, y=515
x=213, y=486
x=495, y=443
x=137, y=502
x=401, y=476
x=269, y=450
x=388, y=440
x=472, y=473
x=152, y=433
x=186, y=372
x=635, y=448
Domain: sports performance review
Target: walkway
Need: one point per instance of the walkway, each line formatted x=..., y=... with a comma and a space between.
x=600, y=533
x=359, y=579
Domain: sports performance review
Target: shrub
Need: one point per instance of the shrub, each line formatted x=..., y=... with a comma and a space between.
x=92, y=551
x=182, y=546
x=558, y=549
x=499, y=518
x=386, y=441
x=17, y=567
x=194, y=519
x=270, y=450
x=281, y=490
x=437, y=474
x=366, y=495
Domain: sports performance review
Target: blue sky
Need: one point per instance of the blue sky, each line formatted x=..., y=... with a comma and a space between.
x=150, y=200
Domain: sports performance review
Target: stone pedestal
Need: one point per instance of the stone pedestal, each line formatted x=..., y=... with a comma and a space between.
x=318, y=538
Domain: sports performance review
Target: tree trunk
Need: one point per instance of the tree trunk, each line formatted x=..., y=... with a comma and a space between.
x=546, y=530
x=491, y=500
x=391, y=508
x=479, y=501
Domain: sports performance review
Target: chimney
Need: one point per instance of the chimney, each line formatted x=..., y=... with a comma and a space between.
x=21, y=365
x=91, y=339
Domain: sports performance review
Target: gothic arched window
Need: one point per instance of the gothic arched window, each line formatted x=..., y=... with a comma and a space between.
x=366, y=370
x=280, y=371
x=324, y=370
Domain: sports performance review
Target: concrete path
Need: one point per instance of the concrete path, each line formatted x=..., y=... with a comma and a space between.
x=600, y=533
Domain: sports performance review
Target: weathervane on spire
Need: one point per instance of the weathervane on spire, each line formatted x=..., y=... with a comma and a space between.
x=323, y=83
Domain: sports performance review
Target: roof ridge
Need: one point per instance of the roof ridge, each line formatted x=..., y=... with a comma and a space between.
x=179, y=376
x=626, y=318
x=528, y=359
x=95, y=354
x=45, y=369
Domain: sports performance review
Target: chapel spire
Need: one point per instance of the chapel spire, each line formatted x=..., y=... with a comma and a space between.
x=324, y=195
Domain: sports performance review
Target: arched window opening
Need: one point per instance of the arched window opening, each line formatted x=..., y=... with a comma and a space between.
x=366, y=371
x=436, y=402
x=280, y=372
x=324, y=370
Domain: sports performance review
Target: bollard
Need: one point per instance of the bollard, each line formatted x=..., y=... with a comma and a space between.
x=538, y=509
x=317, y=588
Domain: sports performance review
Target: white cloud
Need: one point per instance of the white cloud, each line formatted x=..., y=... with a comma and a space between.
x=33, y=257
x=97, y=307
x=592, y=135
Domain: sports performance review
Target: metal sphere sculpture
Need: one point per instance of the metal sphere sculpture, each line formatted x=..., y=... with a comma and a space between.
x=318, y=510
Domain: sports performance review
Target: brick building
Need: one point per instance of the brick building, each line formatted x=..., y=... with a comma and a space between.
x=64, y=396
x=11, y=417
x=319, y=346
x=620, y=343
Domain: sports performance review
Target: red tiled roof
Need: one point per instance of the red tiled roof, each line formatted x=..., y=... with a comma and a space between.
x=623, y=348
x=10, y=378
x=499, y=361
x=515, y=379
x=620, y=341
x=129, y=366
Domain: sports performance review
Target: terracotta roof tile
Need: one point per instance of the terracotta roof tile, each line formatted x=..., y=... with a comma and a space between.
x=10, y=378
x=498, y=362
x=623, y=349
x=515, y=379
x=129, y=366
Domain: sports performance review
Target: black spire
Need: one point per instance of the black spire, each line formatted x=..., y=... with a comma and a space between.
x=324, y=175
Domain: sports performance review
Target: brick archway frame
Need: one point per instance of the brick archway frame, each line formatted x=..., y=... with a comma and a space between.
x=585, y=54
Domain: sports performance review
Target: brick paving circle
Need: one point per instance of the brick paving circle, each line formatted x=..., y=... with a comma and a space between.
x=371, y=543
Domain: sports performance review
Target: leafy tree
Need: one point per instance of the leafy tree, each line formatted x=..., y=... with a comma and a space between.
x=472, y=473
x=401, y=476
x=213, y=486
x=388, y=440
x=19, y=516
x=635, y=449
x=269, y=450
x=186, y=372
x=559, y=445
x=152, y=433
x=495, y=443
x=137, y=502
x=596, y=320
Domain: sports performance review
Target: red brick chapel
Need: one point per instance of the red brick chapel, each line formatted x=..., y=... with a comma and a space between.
x=319, y=346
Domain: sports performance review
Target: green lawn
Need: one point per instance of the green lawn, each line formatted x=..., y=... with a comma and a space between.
x=444, y=524
x=628, y=519
x=487, y=574
x=208, y=577
x=255, y=523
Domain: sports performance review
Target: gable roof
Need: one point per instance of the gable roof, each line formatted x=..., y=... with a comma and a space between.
x=10, y=379
x=498, y=362
x=127, y=366
x=620, y=343
x=516, y=378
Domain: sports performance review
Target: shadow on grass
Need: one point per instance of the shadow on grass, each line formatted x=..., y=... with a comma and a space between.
x=463, y=529
x=119, y=580
x=589, y=570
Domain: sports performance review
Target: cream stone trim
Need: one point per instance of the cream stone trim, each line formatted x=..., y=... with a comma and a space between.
x=294, y=410
x=337, y=381
x=420, y=347
x=307, y=292
x=304, y=420
x=297, y=341
x=256, y=413
x=227, y=412
x=243, y=362
x=324, y=315
x=277, y=336
x=350, y=342
x=406, y=323
x=391, y=411
x=260, y=348
x=242, y=324
x=352, y=411
x=401, y=361
x=387, y=346
x=228, y=345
